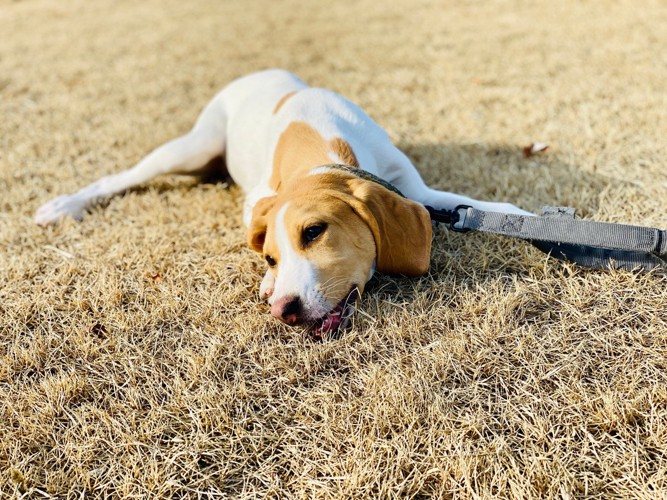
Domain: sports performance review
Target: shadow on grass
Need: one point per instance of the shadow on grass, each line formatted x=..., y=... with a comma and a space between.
x=501, y=172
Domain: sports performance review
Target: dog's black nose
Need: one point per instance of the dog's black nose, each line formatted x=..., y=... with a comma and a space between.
x=287, y=309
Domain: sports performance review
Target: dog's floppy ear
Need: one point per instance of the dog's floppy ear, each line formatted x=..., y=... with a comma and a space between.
x=257, y=229
x=401, y=228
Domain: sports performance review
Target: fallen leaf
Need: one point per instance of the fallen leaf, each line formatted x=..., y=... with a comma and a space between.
x=535, y=148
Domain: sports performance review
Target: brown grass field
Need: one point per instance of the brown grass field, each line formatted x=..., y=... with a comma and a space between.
x=136, y=359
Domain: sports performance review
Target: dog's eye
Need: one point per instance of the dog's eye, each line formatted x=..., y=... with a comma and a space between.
x=270, y=261
x=312, y=232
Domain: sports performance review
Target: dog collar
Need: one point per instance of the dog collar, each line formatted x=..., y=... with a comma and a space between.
x=361, y=174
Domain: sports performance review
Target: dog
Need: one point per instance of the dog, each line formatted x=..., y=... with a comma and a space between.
x=322, y=230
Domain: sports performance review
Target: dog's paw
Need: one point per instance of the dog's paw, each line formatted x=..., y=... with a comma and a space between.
x=62, y=206
x=266, y=288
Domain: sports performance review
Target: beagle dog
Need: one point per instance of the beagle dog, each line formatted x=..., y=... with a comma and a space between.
x=322, y=230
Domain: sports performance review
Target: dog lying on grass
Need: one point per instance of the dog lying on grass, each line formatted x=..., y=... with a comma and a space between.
x=322, y=230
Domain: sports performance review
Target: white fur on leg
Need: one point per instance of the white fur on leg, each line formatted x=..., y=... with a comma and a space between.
x=63, y=206
x=449, y=201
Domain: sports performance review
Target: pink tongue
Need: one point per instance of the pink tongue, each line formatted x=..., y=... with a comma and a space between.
x=331, y=322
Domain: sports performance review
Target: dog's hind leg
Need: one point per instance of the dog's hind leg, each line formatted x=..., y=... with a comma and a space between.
x=187, y=154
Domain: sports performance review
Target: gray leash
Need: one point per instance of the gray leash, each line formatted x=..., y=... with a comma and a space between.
x=556, y=232
x=559, y=234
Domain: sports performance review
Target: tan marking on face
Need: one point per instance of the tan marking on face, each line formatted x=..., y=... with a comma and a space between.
x=365, y=224
x=342, y=254
x=300, y=148
x=270, y=247
x=282, y=101
x=344, y=152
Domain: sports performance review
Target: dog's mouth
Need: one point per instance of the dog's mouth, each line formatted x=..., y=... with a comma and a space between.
x=336, y=319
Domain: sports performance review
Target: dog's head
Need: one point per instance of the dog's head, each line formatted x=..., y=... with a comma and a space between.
x=322, y=238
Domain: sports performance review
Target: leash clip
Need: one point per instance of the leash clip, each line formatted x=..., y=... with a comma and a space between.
x=459, y=219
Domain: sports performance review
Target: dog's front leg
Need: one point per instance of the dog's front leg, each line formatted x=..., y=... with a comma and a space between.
x=266, y=288
x=449, y=201
x=407, y=179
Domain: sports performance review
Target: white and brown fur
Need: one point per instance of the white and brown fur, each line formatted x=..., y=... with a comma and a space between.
x=275, y=133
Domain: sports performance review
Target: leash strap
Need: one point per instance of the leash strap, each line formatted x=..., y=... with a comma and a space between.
x=559, y=234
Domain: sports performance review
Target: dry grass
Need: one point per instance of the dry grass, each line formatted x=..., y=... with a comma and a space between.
x=135, y=357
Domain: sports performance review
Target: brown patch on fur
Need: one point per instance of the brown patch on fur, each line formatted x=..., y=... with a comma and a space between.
x=401, y=227
x=344, y=152
x=282, y=101
x=299, y=149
